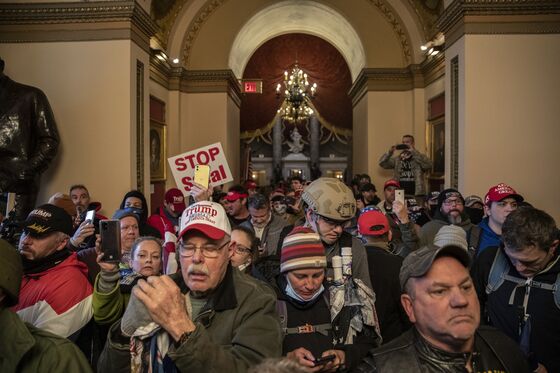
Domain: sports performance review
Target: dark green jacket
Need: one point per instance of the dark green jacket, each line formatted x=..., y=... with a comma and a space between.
x=24, y=348
x=237, y=328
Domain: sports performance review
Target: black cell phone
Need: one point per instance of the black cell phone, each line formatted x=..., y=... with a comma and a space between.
x=110, y=231
x=324, y=359
x=401, y=147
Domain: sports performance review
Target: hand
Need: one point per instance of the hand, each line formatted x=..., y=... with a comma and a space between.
x=304, y=358
x=393, y=148
x=200, y=193
x=540, y=369
x=105, y=267
x=166, y=305
x=401, y=211
x=85, y=230
x=339, y=360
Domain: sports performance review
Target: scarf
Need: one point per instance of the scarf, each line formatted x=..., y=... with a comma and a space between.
x=31, y=267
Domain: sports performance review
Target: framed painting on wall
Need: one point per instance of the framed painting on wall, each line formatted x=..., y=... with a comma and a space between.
x=437, y=146
x=158, y=151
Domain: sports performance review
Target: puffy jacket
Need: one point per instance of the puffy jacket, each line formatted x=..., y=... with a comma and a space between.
x=24, y=348
x=57, y=300
x=237, y=328
x=419, y=163
x=412, y=354
x=271, y=234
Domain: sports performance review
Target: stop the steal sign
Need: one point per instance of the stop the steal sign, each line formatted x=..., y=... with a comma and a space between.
x=182, y=166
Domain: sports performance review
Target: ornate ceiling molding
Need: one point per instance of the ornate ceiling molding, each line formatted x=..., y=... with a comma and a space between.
x=499, y=17
x=194, y=29
x=29, y=22
x=396, y=24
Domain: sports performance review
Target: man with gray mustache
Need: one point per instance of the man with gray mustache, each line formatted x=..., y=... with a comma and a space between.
x=208, y=317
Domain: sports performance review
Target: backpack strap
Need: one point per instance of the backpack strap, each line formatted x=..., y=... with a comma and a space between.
x=498, y=271
x=474, y=239
x=282, y=311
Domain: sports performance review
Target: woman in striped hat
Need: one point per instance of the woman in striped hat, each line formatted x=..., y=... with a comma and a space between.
x=304, y=306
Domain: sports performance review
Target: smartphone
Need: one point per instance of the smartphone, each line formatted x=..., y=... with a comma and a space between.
x=90, y=215
x=324, y=359
x=401, y=147
x=201, y=174
x=399, y=196
x=110, y=231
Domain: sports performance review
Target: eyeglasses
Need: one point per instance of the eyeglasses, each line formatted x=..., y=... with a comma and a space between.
x=449, y=202
x=334, y=223
x=208, y=251
x=242, y=250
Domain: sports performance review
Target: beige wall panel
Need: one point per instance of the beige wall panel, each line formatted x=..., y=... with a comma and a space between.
x=88, y=86
x=360, y=138
x=389, y=115
x=207, y=118
x=511, y=127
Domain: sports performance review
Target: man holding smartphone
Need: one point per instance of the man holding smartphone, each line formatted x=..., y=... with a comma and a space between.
x=409, y=166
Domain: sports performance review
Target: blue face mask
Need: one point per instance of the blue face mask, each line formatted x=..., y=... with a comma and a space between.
x=292, y=293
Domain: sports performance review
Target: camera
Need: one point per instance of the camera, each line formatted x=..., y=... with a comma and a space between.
x=401, y=147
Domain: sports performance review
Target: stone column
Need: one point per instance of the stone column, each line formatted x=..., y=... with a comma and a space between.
x=314, y=141
x=276, y=147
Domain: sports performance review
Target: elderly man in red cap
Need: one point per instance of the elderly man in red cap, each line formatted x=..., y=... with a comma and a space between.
x=207, y=317
x=166, y=221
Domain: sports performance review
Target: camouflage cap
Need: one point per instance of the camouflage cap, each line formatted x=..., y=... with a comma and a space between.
x=331, y=198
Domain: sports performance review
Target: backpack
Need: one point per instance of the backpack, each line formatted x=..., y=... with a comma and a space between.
x=499, y=274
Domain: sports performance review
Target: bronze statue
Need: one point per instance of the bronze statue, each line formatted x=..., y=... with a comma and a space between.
x=28, y=141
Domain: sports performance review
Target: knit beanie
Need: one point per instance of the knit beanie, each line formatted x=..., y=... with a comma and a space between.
x=451, y=235
x=448, y=193
x=302, y=248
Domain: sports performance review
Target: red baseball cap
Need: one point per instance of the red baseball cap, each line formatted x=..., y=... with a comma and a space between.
x=234, y=196
x=210, y=218
x=250, y=184
x=500, y=192
x=175, y=197
x=391, y=182
x=373, y=223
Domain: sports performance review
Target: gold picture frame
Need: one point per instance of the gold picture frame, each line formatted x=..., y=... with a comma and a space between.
x=436, y=146
x=158, y=151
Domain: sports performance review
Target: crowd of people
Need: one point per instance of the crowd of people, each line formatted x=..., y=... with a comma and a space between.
x=302, y=276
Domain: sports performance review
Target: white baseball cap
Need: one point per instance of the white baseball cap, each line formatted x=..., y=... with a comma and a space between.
x=207, y=217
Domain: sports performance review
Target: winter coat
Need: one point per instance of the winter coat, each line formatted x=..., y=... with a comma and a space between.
x=57, y=300
x=237, y=328
x=271, y=234
x=165, y=226
x=410, y=353
x=488, y=238
x=24, y=348
x=503, y=307
x=419, y=163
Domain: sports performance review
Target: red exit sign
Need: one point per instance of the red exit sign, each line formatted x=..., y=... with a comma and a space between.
x=251, y=86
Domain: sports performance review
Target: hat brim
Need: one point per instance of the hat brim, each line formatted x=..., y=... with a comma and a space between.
x=209, y=231
x=179, y=207
x=515, y=196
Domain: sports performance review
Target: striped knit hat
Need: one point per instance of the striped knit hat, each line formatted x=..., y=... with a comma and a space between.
x=302, y=248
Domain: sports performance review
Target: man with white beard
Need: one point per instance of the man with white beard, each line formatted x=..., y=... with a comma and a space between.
x=206, y=317
x=450, y=210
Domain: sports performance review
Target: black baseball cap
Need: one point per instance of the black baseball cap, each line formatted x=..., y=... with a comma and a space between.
x=46, y=219
x=419, y=262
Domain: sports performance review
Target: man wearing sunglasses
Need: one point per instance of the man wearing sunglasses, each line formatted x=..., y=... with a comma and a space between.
x=329, y=207
x=205, y=317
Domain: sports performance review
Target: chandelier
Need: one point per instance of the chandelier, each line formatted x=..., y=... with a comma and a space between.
x=297, y=96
